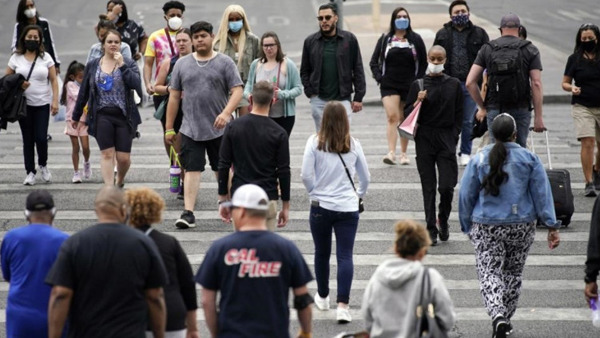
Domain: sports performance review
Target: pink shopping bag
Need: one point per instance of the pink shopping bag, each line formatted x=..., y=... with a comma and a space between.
x=408, y=128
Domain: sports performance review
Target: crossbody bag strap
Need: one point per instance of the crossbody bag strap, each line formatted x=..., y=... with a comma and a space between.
x=347, y=171
x=170, y=42
x=31, y=69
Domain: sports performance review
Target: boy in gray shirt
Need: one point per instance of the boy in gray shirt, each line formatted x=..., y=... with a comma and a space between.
x=208, y=78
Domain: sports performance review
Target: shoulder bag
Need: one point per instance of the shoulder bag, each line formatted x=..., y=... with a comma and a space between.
x=427, y=325
x=361, y=206
x=20, y=107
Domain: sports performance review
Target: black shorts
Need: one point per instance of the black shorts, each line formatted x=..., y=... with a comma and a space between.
x=112, y=130
x=193, y=153
x=387, y=91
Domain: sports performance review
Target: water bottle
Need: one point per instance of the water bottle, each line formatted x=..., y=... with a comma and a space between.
x=174, y=173
x=595, y=312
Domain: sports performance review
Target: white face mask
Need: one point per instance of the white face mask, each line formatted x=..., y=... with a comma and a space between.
x=30, y=13
x=175, y=23
x=435, y=69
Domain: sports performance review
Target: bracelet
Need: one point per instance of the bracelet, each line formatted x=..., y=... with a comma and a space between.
x=170, y=132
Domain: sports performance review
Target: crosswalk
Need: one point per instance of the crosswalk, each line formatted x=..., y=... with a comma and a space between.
x=552, y=299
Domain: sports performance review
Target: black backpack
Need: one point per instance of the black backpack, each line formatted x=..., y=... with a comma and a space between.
x=508, y=80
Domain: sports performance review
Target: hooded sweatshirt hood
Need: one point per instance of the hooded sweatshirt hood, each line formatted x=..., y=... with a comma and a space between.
x=394, y=273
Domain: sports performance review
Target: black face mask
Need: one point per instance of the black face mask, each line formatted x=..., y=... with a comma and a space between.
x=31, y=45
x=588, y=46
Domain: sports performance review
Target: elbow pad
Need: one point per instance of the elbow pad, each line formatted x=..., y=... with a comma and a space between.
x=302, y=301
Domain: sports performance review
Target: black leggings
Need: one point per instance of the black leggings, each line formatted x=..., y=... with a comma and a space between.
x=286, y=123
x=112, y=130
x=34, y=129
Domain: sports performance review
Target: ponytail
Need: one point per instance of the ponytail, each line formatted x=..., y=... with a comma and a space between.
x=504, y=129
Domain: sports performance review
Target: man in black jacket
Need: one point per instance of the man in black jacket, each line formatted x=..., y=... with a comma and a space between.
x=592, y=263
x=462, y=40
x=331, y=66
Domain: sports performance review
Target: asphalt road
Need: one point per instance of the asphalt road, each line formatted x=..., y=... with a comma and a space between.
x=551, y=304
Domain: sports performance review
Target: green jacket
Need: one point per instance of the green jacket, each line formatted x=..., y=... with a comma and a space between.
x=251, y=50
x=293, y=86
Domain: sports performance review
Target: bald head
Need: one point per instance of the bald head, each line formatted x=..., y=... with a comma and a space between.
x=111, y=205
x=437, y=49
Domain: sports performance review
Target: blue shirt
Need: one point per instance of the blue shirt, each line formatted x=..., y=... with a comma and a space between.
x=27, y=254
x=524, y=197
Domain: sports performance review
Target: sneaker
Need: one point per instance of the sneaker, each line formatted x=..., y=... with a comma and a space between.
x=444, y=231
x=433, y=236
x=46, y=176
x=404, y=159
x=464, y=160
x=589, y=190
x=87, y=170
x=509, y=331
x=596, y=179
x=390, y=158
x=30, y=179
x=76, y=177
x=187, y=220
x=343, y=315
x=321, y=303
x=500, y=327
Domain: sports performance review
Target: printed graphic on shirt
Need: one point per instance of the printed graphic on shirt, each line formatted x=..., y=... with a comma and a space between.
x=250, y=264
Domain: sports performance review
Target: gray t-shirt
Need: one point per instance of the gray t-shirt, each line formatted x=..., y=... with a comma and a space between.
x=205, y=86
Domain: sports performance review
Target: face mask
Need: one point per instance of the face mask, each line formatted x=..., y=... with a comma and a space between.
x=460, y=20
x=435, y=69
x=175, y=23
x=31, y=45
x=401, y=23
x=235, y=26
x=115, y=20
x=30, y=13
x=588, y=46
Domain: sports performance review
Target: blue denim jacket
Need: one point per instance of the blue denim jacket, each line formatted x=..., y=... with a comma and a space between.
x=524, y=197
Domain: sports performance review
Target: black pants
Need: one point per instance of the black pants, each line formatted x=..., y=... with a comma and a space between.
x=34, y=129
x=286, y=123
x=436, y=147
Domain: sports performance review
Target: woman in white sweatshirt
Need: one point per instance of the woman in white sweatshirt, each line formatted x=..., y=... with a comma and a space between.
x=393, y=292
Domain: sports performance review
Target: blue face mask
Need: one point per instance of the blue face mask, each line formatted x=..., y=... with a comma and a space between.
x=235, y=26
x=401, y=23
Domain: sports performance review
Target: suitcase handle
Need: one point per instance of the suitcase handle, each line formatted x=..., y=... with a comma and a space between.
x=547, y=145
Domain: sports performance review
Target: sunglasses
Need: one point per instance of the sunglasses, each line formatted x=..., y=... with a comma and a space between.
x=324, y=18
x=269, y=45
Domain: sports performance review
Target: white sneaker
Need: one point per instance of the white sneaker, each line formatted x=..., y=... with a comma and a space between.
x=46, y=176
x=390, y=158
x=76, y=177
x=464, y=160
x=321, y=303
x=87, y=170
x=404, y=159
x=30, y=179
x=343, y=315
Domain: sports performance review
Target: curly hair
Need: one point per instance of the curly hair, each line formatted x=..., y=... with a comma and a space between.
x=411, y=237
x=146, y=206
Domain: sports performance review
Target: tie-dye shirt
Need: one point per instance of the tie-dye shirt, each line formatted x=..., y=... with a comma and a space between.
x=158, y=47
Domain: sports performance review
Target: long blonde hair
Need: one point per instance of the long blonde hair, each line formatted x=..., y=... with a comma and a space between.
x=221, y=38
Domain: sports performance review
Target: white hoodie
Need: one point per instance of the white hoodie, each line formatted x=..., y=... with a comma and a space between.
x=391, y=298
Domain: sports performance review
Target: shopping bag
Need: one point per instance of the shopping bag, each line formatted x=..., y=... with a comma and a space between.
x=408, y=127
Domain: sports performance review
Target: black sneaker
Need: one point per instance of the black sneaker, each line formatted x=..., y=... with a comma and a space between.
x=444, y=231
x=500, y=327
x=187, y=220
x=596, y=179
x=589, y=190
x=433, y=236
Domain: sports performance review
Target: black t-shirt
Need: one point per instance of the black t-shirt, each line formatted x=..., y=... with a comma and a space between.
x=131, y=33
x=108, y=267
x=531, y=60
x=586, y=74
x=259, y=150
x=399, y=66
x=254, y=271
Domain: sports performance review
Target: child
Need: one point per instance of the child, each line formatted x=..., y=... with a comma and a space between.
x=70, y=91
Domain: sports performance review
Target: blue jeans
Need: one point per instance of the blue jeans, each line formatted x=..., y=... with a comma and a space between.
x=523, y=118
x=317, y=105
x=322, y=223
x=469, y=108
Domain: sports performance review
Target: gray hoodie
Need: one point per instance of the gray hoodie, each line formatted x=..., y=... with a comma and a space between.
x=391, y=298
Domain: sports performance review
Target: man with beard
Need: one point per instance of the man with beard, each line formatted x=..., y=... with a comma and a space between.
x=332, y=66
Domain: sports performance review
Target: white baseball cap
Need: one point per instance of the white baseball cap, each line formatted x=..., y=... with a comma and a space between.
x=249, y=196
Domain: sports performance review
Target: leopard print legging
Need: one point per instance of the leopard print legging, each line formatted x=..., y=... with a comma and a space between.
x=500, y=254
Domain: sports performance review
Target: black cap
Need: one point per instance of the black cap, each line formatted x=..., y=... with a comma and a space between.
x=510, y=20
x=39, y=200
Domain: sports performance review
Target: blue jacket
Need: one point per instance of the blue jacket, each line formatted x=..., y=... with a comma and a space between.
x=293, y=86
x=524, y=197
x=87, y=94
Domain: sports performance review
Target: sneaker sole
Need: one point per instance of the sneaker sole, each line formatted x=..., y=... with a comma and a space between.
x=76, y=182
x=344, y=321
x=183, y=224
x=388, y=161
x=29, y=184
x=405, y=163
x=590, y=194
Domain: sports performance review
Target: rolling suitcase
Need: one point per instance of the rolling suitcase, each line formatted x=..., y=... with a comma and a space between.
x=560, y=183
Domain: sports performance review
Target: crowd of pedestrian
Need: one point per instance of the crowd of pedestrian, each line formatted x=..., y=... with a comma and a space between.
x=212, y=91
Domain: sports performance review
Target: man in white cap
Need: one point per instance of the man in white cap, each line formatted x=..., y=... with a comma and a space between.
x=27, y=254
x=253, y=269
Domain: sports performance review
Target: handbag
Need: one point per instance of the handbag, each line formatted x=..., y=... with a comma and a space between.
x=427, y=325
x=275, y=83
x=408, y=127
x=479, y=127
x=162, y=109
x=361, y=206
